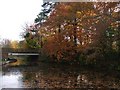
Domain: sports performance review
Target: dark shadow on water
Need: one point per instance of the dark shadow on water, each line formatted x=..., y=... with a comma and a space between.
x=31, y=60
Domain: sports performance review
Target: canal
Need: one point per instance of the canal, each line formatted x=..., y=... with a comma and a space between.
x=52, y=75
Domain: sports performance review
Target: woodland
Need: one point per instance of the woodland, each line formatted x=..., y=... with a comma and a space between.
x=84, y=33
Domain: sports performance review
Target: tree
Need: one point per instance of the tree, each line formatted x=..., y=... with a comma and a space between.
x=15, y=44
x=71, y=31
x=5, y=43
x=31, y=36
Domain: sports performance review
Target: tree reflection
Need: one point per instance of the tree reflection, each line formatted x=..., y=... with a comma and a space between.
x=56, y=77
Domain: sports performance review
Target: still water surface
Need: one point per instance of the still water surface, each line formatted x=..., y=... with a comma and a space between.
x=52, y=75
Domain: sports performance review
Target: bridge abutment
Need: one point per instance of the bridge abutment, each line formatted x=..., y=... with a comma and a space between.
x=4, y=53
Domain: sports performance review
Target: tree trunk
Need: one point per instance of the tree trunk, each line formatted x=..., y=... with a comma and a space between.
x=75, y=32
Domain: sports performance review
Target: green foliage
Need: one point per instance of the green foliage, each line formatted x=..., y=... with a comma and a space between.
x=27, y=35
x=43, y=15
x=32, y=43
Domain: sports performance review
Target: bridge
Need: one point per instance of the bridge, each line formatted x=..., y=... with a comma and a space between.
x=19, y=52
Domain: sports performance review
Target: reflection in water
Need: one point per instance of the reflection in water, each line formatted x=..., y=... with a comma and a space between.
x=51, y=76
x=82, y=80
x=0, y=80
x=12, y=80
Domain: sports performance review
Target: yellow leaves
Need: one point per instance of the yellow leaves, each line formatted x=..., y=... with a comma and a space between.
x=115, y=24
x=14, y=44
x=79, y=14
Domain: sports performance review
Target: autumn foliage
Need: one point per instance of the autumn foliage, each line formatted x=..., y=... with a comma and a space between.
x=79, y=31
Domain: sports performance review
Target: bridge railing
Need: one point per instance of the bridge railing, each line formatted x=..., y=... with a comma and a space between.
x=21, y=50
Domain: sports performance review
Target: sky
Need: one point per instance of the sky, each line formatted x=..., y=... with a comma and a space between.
x=14, y=14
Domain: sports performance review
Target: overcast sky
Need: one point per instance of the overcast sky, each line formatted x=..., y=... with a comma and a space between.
x=14, y=14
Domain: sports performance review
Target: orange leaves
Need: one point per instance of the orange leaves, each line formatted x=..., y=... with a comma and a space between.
x=64, y=8
x=59, y=55
x=72, y=27
x=59, y=48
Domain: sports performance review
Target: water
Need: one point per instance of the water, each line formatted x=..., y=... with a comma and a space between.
x=12, y=80
x=53, y=75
